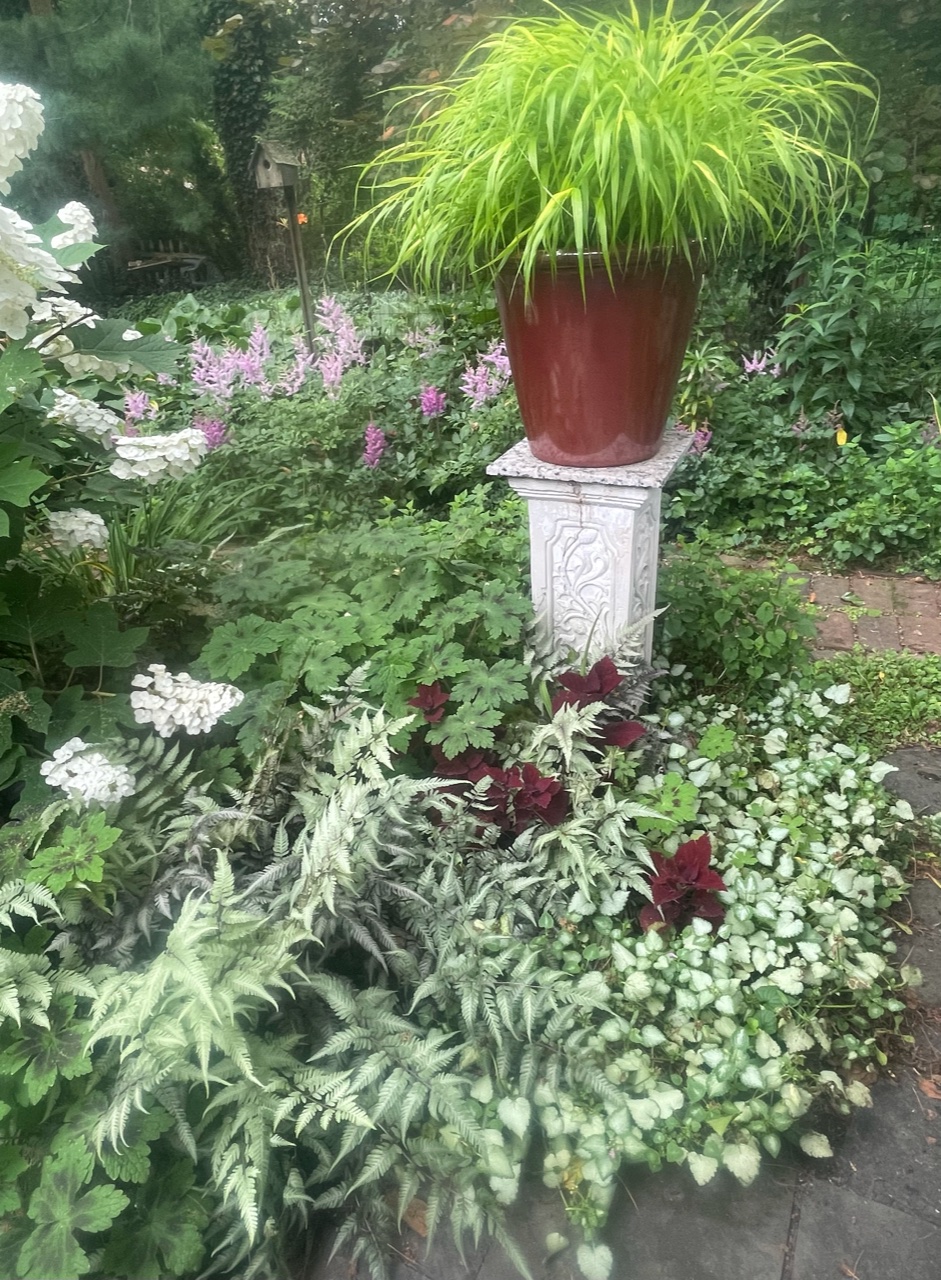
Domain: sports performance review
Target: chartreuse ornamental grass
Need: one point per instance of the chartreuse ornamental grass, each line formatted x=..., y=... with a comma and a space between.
x=620, y=134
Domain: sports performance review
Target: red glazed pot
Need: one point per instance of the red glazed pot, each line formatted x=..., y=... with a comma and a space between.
x=595, y=369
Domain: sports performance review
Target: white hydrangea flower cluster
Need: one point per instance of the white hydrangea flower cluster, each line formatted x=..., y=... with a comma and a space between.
x=84, y=416
x=21, y=124
x=26, y=270
x=154, y=458
x=60, y=313
x=87, y=775
x=80, y=225
x=170, y=702
x=77, y=528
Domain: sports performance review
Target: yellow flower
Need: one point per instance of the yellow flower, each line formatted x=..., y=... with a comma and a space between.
x=841, y=437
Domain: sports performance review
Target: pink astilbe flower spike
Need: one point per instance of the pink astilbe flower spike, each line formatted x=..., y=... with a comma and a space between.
x=375, y=445
x=433, y=402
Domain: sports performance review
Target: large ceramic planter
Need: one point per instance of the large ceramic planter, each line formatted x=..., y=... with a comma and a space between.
x=596, y=367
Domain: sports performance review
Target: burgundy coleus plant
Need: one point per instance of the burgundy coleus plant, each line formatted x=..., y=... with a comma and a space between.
x=515, y=798
x=430, y=700
x=594, y=686
x=684, y=886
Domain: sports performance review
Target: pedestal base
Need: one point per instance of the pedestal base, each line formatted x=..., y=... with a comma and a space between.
x=594, y=539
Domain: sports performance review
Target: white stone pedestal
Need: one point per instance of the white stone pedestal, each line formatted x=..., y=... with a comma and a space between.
x=594, y=536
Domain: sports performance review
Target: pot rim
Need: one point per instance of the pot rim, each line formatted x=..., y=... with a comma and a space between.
x=594, y=260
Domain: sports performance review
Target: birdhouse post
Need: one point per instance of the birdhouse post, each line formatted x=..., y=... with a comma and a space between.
x=276, y=168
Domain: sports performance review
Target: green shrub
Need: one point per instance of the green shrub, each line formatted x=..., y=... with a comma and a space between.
x=739, y=630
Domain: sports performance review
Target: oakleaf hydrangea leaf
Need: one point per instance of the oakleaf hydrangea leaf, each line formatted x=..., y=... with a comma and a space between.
x=98, y=641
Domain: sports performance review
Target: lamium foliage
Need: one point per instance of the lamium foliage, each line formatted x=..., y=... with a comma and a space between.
x=623, y=135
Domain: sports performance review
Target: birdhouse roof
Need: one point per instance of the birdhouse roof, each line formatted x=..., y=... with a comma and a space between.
x=276, y=153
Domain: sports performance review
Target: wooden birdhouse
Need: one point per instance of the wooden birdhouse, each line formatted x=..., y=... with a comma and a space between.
x=274, y=166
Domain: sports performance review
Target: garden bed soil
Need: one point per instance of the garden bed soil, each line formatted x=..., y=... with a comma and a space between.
x=872, y=1212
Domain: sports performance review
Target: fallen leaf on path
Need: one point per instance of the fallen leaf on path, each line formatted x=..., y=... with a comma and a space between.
x=847, y=1270
x=415, y=1217
x=930, y=1088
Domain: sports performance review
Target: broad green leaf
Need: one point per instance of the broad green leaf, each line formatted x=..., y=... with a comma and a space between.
x=499, y=685
x=515, y=1114
x=595, y=1261
x=20, y=368
x=234, y=646
x=97, y=641
x=168, y=1237
x=32, y=617
x=19, y=479
x=467, y=727
x=105, y=341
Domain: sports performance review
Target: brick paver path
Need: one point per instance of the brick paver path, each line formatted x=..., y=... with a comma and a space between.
x=878, y=611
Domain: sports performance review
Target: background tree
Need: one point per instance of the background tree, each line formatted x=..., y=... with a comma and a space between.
x=128, y=108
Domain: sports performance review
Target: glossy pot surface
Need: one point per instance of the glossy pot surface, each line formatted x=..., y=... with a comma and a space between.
x=596, y=368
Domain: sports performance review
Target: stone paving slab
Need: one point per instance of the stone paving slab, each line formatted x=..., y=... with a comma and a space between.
x=665, y=1227
x=841, y=1234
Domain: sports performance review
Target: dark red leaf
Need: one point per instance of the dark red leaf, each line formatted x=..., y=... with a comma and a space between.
x=580, y=690
x=623, y=733
x=430, y=700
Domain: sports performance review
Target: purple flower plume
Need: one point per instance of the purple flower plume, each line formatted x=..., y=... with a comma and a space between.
x=375, y=443
x=758, y=364
x=486, y=379
x=433, y=401
x=137, y=406
x=701, y=438
x=214, y=429
x=340, y=344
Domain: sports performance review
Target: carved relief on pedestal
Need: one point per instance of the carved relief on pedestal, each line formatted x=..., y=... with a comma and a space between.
x=594, y=537
x=581, y=560
x=646, y=547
